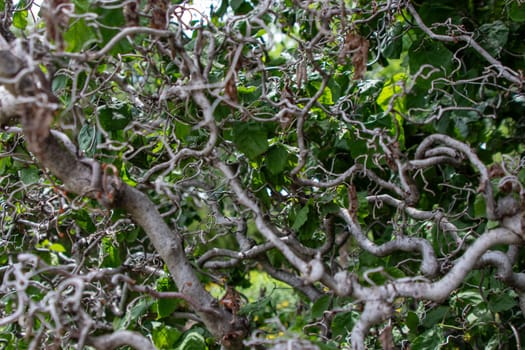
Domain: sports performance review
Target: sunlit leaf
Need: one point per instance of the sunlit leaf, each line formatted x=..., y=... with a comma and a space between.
x=20, y=19
x=57, y=247
x=5, y=164
x=392, y=93
x=110, y=252
x=164, y=337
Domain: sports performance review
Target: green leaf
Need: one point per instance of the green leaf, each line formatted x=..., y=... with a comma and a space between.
x=412, y=321
x=139, y=309
x=29, y=175
x=182, y=130
x=431, y=339
x=164, y=337
x=300, y=218
x=327, y=346
x=59, y=83
x=329, y=208
x=20, y=19
x=87, y=139
x=249, y=94
x=110, y=253
x=471, y=297
x=165, y=306
x=111, y=18
x=393, y=89
x=276, y=159
x=343, y=322
x=235, y=4
x=193, y=341
x=84, y=221
x=320, y=306
x=57, y=247
x=502, y=302
x=82, y=6
x=359, y=148
x=427, y=52
x=79, y=36
x=112, y=119
x=394, y=43
x=240, y=7
x=5, y=164
x=326, y=96
x=435, y=316
x=134, y=314
x=258, y=308
x=251, y=139
x=493, y=37
x=479, y=207
x=222, y=9
x=516, y=11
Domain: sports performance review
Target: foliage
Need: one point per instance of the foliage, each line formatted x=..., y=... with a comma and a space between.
x=341, y=173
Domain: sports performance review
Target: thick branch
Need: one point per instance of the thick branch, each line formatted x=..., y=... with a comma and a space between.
x=80, y=177
x=118, y=339
x=377, y=298
x=504, y=269
x=374, y=312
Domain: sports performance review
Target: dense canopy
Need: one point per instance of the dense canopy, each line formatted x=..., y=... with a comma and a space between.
x=262, y=174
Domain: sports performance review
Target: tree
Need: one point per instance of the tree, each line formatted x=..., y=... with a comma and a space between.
x=313, y=175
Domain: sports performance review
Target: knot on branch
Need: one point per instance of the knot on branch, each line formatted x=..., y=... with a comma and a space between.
x=110, y=186
x=343, y=282
x=511, y=212
x=314, y=270
x=30, y=95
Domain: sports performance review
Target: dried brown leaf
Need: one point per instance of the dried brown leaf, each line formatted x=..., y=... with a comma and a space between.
x=56, y=17
x=353, y=202
x=356, y=47
x=131, y=13
x=159, y=9
x=301, y=75
x=230, y=89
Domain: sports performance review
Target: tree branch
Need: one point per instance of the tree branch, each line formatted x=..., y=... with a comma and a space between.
x=78, y=177
x=118, y=339
x=506, y=72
